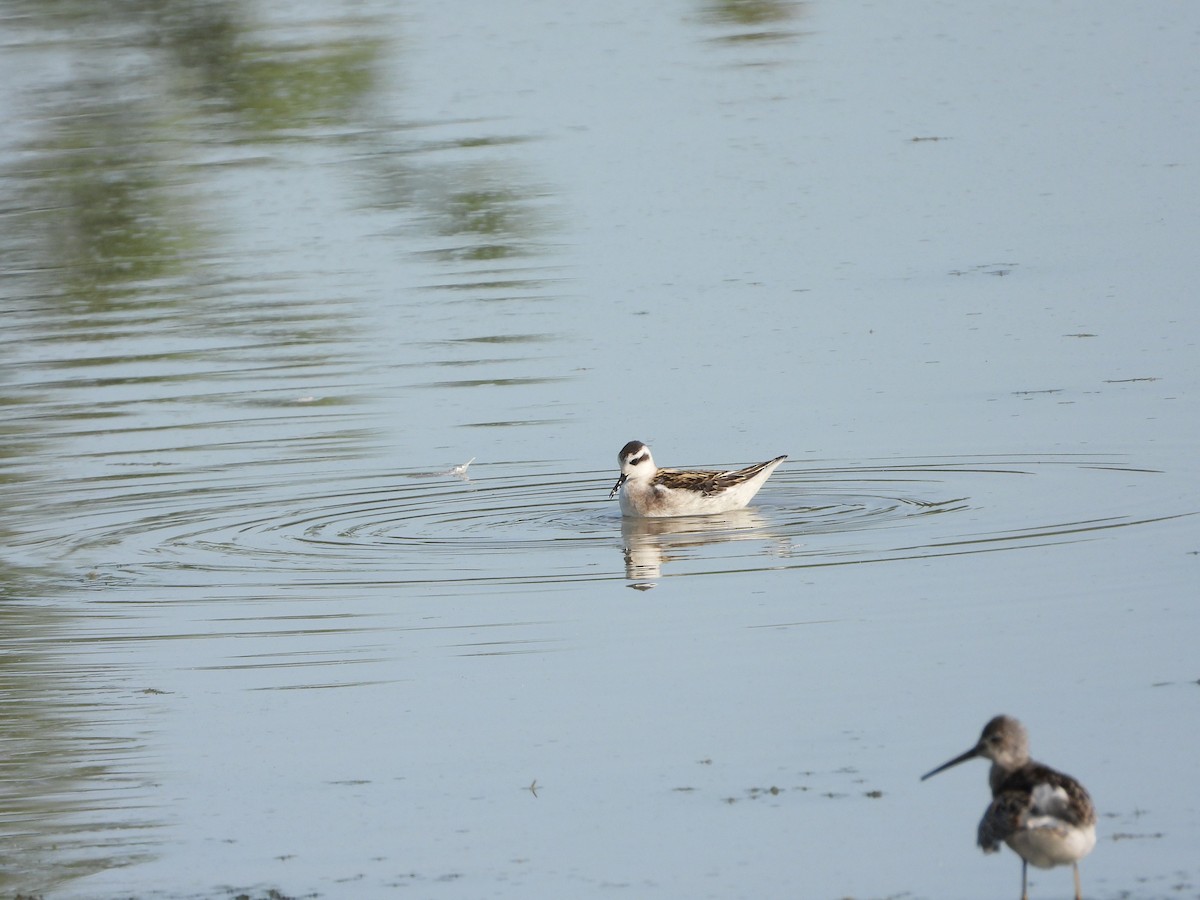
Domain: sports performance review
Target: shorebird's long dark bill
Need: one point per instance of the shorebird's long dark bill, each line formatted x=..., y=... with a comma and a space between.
x=970, y=754
x=617, y=486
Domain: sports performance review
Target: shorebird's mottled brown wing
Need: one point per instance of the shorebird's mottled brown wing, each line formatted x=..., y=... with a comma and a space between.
x=1034, y=790
x=701, y=482
x=1075, y=807
x=1002, y=819
x=709, y=482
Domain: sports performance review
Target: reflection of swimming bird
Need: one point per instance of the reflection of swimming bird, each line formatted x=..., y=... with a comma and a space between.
x=649, y=491
x=1045, y=816
x=650, y=543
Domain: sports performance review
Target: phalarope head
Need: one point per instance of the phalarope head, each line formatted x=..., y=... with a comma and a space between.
x=635, y=460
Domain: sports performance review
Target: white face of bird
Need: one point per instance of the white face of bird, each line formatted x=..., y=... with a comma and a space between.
x=635, y=460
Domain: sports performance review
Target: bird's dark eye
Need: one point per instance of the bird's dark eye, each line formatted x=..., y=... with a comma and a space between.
x=636, y=460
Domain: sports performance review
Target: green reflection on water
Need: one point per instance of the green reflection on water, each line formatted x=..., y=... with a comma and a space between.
x=113, y=281
x=121, y=254
x=270, y=87
x=496, y=220
x=752, y=12
x=748, y=21
x=105, y=188
x=60, y=782
x=101, y=214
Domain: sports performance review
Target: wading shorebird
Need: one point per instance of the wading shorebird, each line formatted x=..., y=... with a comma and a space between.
x=1045, y=816
x=651, y=492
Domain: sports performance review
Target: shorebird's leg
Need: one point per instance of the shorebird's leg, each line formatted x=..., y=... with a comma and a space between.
x=1025, y=880
x=1078, y=890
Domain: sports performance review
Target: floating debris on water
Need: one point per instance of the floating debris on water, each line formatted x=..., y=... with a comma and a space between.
x=453, y=472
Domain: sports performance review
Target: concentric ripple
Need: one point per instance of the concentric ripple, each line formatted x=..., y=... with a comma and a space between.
x=523, y=524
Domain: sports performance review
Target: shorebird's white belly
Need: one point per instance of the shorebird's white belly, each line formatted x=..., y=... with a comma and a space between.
x=1047, y=842
x=656, y=501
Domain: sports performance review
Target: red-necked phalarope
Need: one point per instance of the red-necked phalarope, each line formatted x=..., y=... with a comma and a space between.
x=649, y=491
x=1045, y=816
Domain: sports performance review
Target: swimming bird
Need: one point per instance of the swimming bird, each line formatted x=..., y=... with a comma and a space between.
x=651, y=492
x=1045, y=816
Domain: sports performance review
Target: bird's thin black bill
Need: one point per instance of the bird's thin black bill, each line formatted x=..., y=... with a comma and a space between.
x=970, y=754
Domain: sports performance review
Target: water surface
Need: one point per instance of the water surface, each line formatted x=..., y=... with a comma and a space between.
x=323, y=326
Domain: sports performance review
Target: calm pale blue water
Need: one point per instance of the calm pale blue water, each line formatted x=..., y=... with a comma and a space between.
x=324, y=322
